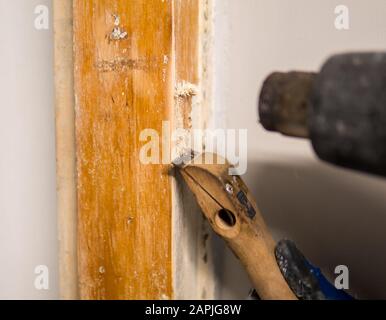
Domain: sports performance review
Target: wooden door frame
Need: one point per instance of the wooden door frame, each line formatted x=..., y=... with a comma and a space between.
x=89, y=269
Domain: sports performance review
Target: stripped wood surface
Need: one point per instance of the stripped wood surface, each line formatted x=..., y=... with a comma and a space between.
x=140, y=233
x=123, y=85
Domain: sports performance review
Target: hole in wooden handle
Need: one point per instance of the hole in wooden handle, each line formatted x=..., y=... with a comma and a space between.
x=225, y=219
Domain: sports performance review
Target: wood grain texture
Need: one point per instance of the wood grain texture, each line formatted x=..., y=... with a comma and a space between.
x=186, y=29
x=65, y=148
x=186, y=54
x=124, y=207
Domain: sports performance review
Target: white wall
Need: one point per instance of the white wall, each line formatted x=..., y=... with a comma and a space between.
x=335, y=216
x=28, y=236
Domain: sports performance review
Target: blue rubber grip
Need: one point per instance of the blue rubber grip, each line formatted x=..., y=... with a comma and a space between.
x=329, y=290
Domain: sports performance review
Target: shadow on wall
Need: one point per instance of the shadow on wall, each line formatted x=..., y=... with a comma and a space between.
x=334, y=215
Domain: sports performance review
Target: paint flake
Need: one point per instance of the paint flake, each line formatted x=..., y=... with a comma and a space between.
x=118, y=33
x=185, y=89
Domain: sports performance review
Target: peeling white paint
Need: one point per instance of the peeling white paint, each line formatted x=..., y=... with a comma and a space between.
x=185, y=89
x=118, y=33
